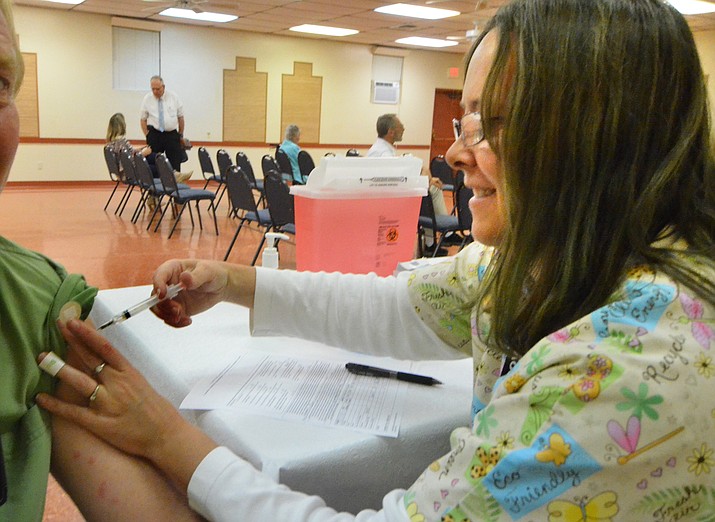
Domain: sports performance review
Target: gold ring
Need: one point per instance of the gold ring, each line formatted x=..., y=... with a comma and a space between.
x=93, y=397
x=98, y=369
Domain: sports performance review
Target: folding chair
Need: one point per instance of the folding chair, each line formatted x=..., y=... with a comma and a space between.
x=438, y=224
x=150, y=186
x=130, y=178
x=285, y=168
x=223, y=160
x=305, y=164
x=268, y=163
x=244, y=164
x=207, y=169
x=113, y=167
x=280, y=203
x=440, y=169
x=240, y=192
x=181, y=196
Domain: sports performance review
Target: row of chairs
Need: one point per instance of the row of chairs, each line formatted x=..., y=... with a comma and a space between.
x=305, y=165
x=277, y=215
x=224, y=162
x=280, y=164
x=265, y=202
x=240, y=182
x=135, y=173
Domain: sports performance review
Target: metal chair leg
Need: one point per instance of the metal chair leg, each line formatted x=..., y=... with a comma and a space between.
x=127, y=191
x=235, y=236
x=111, y=195
x=258, y=251
x=161, y=217
x=176, y=221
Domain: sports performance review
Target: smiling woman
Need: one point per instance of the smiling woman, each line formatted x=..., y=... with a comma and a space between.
x=593, y=183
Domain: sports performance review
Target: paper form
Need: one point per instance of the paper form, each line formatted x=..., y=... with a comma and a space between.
x=319, y=392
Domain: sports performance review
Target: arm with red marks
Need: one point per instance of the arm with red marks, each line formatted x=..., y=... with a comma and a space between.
x=106, y=483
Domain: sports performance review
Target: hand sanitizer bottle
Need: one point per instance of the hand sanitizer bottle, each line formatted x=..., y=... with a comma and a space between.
x=270, y=253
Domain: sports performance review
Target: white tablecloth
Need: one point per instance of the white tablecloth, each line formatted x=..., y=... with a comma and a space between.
x=350, y=470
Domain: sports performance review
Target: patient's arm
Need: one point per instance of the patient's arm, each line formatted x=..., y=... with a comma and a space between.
x=105, y=483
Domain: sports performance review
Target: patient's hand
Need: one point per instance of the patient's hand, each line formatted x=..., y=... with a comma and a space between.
x=125, y=411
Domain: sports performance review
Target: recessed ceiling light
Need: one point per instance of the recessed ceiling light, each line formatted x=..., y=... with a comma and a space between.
x=416, y=11
x=426, y=42
x=323, y=29
x=71, y=2
x=205, y=16
x=691, y=7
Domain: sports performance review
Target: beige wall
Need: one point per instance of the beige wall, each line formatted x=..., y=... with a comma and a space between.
x=706, y=45
x=74, y=53
x=76, y=97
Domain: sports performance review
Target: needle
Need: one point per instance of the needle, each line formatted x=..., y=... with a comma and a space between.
x=171, y=292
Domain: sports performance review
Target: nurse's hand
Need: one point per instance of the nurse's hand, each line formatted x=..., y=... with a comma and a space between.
x=206, y=283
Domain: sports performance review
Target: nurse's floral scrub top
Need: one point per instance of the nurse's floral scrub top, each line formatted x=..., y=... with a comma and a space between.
x=611, y=417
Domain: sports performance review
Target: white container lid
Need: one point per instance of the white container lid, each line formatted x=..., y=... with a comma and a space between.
x=359, y=178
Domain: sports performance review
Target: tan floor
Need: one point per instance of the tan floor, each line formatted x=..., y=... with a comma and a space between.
x=67, y=224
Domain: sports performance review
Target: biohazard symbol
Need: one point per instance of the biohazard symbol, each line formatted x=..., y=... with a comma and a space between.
x=392, y=235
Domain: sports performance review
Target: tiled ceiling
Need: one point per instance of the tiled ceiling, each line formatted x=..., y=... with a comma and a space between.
x=277, y=16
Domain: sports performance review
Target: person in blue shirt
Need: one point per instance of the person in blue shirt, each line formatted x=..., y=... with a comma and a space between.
x=291, y=148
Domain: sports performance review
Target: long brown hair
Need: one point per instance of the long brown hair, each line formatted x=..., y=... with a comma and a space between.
x=606, y=150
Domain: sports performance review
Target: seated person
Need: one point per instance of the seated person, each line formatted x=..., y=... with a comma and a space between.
x=116, y=137
x=36, y=293
x=291, y=148
x=389, y=131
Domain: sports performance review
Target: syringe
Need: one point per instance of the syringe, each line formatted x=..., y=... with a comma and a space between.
x=171, y=292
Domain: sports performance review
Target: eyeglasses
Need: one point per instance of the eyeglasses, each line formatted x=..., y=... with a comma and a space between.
x=469, y=129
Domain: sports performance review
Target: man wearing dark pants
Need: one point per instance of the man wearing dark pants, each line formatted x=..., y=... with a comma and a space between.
x=162, y=121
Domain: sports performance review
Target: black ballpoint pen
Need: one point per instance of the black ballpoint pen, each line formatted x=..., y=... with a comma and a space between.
x=372, y=371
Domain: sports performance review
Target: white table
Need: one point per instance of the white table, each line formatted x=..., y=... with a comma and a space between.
x=350, y=470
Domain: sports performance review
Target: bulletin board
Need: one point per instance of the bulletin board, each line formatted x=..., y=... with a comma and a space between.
x=301, y=101
x=26, y=99
x=245, y=95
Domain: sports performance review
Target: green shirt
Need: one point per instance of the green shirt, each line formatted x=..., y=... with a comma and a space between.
x=33, y=289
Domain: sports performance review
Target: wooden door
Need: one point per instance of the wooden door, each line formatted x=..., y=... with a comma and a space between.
x=446, y=107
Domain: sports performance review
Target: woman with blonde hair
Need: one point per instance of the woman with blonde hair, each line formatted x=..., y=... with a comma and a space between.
x=116, y=136
x=35, y=294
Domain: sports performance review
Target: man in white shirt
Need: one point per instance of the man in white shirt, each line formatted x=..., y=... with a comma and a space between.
x=162, y=121
x=389, y=131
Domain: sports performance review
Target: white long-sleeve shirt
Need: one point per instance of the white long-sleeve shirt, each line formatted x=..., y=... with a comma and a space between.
x=224, y=485
x=607, y=417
